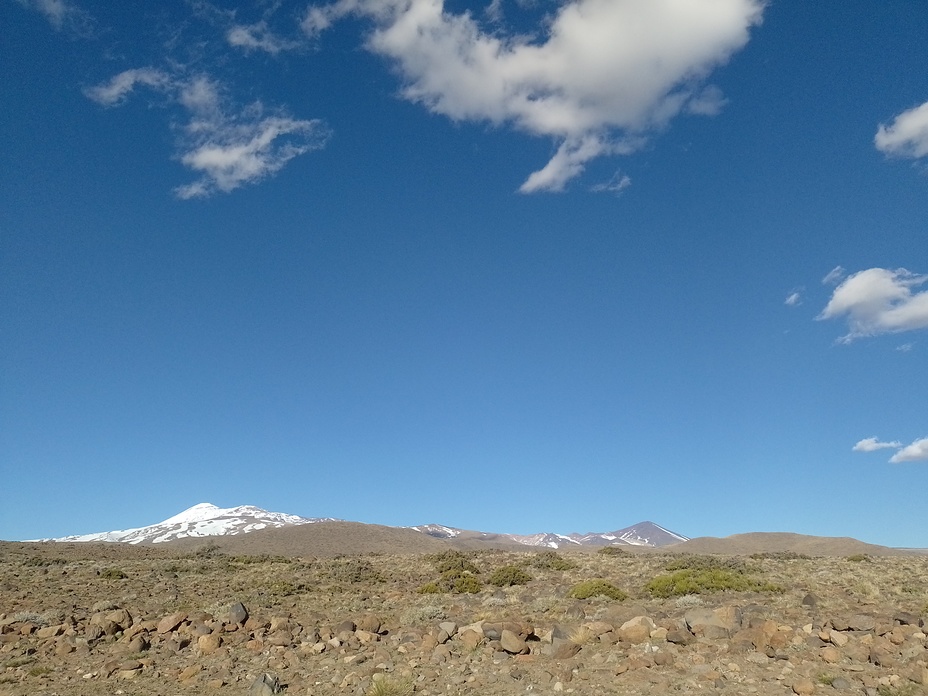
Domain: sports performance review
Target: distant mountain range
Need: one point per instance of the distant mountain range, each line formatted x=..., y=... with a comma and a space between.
x=202, y=520
x=206, y=519
x=642, y=534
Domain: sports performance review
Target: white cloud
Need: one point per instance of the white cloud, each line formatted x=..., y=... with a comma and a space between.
x=907, y=135
x=235, y=153
x=258, y=37
x=879, y=301
x=120, y=86
x=608, y=72
x=872, y=444
x=62, y=15
x=905, y=347
x=917, y=451
x=794, y=299
x=227, y=149
x=834, y=276
x=616, y=184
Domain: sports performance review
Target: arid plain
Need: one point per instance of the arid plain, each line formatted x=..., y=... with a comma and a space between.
x=341, y=608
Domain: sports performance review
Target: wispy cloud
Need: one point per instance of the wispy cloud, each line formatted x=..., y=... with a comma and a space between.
x=872, y=444
x=834, y=276
x=259, y=37
x=616, y=184
x=794, y=298
x=63, y=15
x=907, y=135
x=228, y=146
x=608, y=73
x=879, y=301
x=905, y=347
x=917, y=451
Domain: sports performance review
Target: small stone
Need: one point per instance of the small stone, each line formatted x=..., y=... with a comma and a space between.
x=170, y=622
x=512, y=643
x=370, y=623
x=831, y=655
x=209, y=643
x=265, y=685
x=803, y=687
x=238, y=614
x=190, y=673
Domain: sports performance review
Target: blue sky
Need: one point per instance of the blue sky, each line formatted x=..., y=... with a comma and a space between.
x=513, y=266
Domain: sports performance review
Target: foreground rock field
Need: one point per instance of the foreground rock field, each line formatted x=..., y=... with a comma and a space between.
x=89, y=620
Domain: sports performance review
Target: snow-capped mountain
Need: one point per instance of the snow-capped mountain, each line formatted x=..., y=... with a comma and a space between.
x=439, y=531
x=641, y=534
x=203, y=519
x=645, y=534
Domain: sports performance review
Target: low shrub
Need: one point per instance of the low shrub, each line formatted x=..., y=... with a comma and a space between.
x=612, y=551
x=354, y=570
x=859, y=558
x=452, y=560
x=688, y=582
x=781, y=556
x=551, y=560
x=509, y=575
x=113, y=574
x=596, y=588
x=699, y=562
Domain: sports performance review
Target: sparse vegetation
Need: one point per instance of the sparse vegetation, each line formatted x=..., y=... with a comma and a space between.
x=390, y=686
x=900, y=690
x=453, y=560
x=689, y=581
x=581, y=635
x=354, y=570
x=597, y=588
x=509, y=575
x=411, y=597
x=859, y=558
x=551, y=560
x=781, y=556
x=113, y=574
x=612, y=551
x=701, y=563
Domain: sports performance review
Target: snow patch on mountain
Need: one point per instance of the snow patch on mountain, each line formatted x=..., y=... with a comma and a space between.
x=201, y=520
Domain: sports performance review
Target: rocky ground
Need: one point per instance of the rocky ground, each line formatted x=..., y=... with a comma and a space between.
x=88, y=620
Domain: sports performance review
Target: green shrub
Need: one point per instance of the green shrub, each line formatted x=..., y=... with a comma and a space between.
x=781, y=556
x=354, y=570
x=113, y=574
x=612, y=551
x=452, y=560
x=694, y=562
x=430, y=588
x=859, y=558
x=508, y=576
x=687, y=582
x=551, y=560
x=596, y=588
x=467, y=584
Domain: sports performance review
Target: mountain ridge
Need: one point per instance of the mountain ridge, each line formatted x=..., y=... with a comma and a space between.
x=208, y=520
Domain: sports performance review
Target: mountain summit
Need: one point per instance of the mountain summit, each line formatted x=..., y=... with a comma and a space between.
x=645, y=534
x=201, y=520
x=205, y=520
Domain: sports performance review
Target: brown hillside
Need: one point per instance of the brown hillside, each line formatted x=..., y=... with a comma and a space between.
x=770, y=542
x=321, y=539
